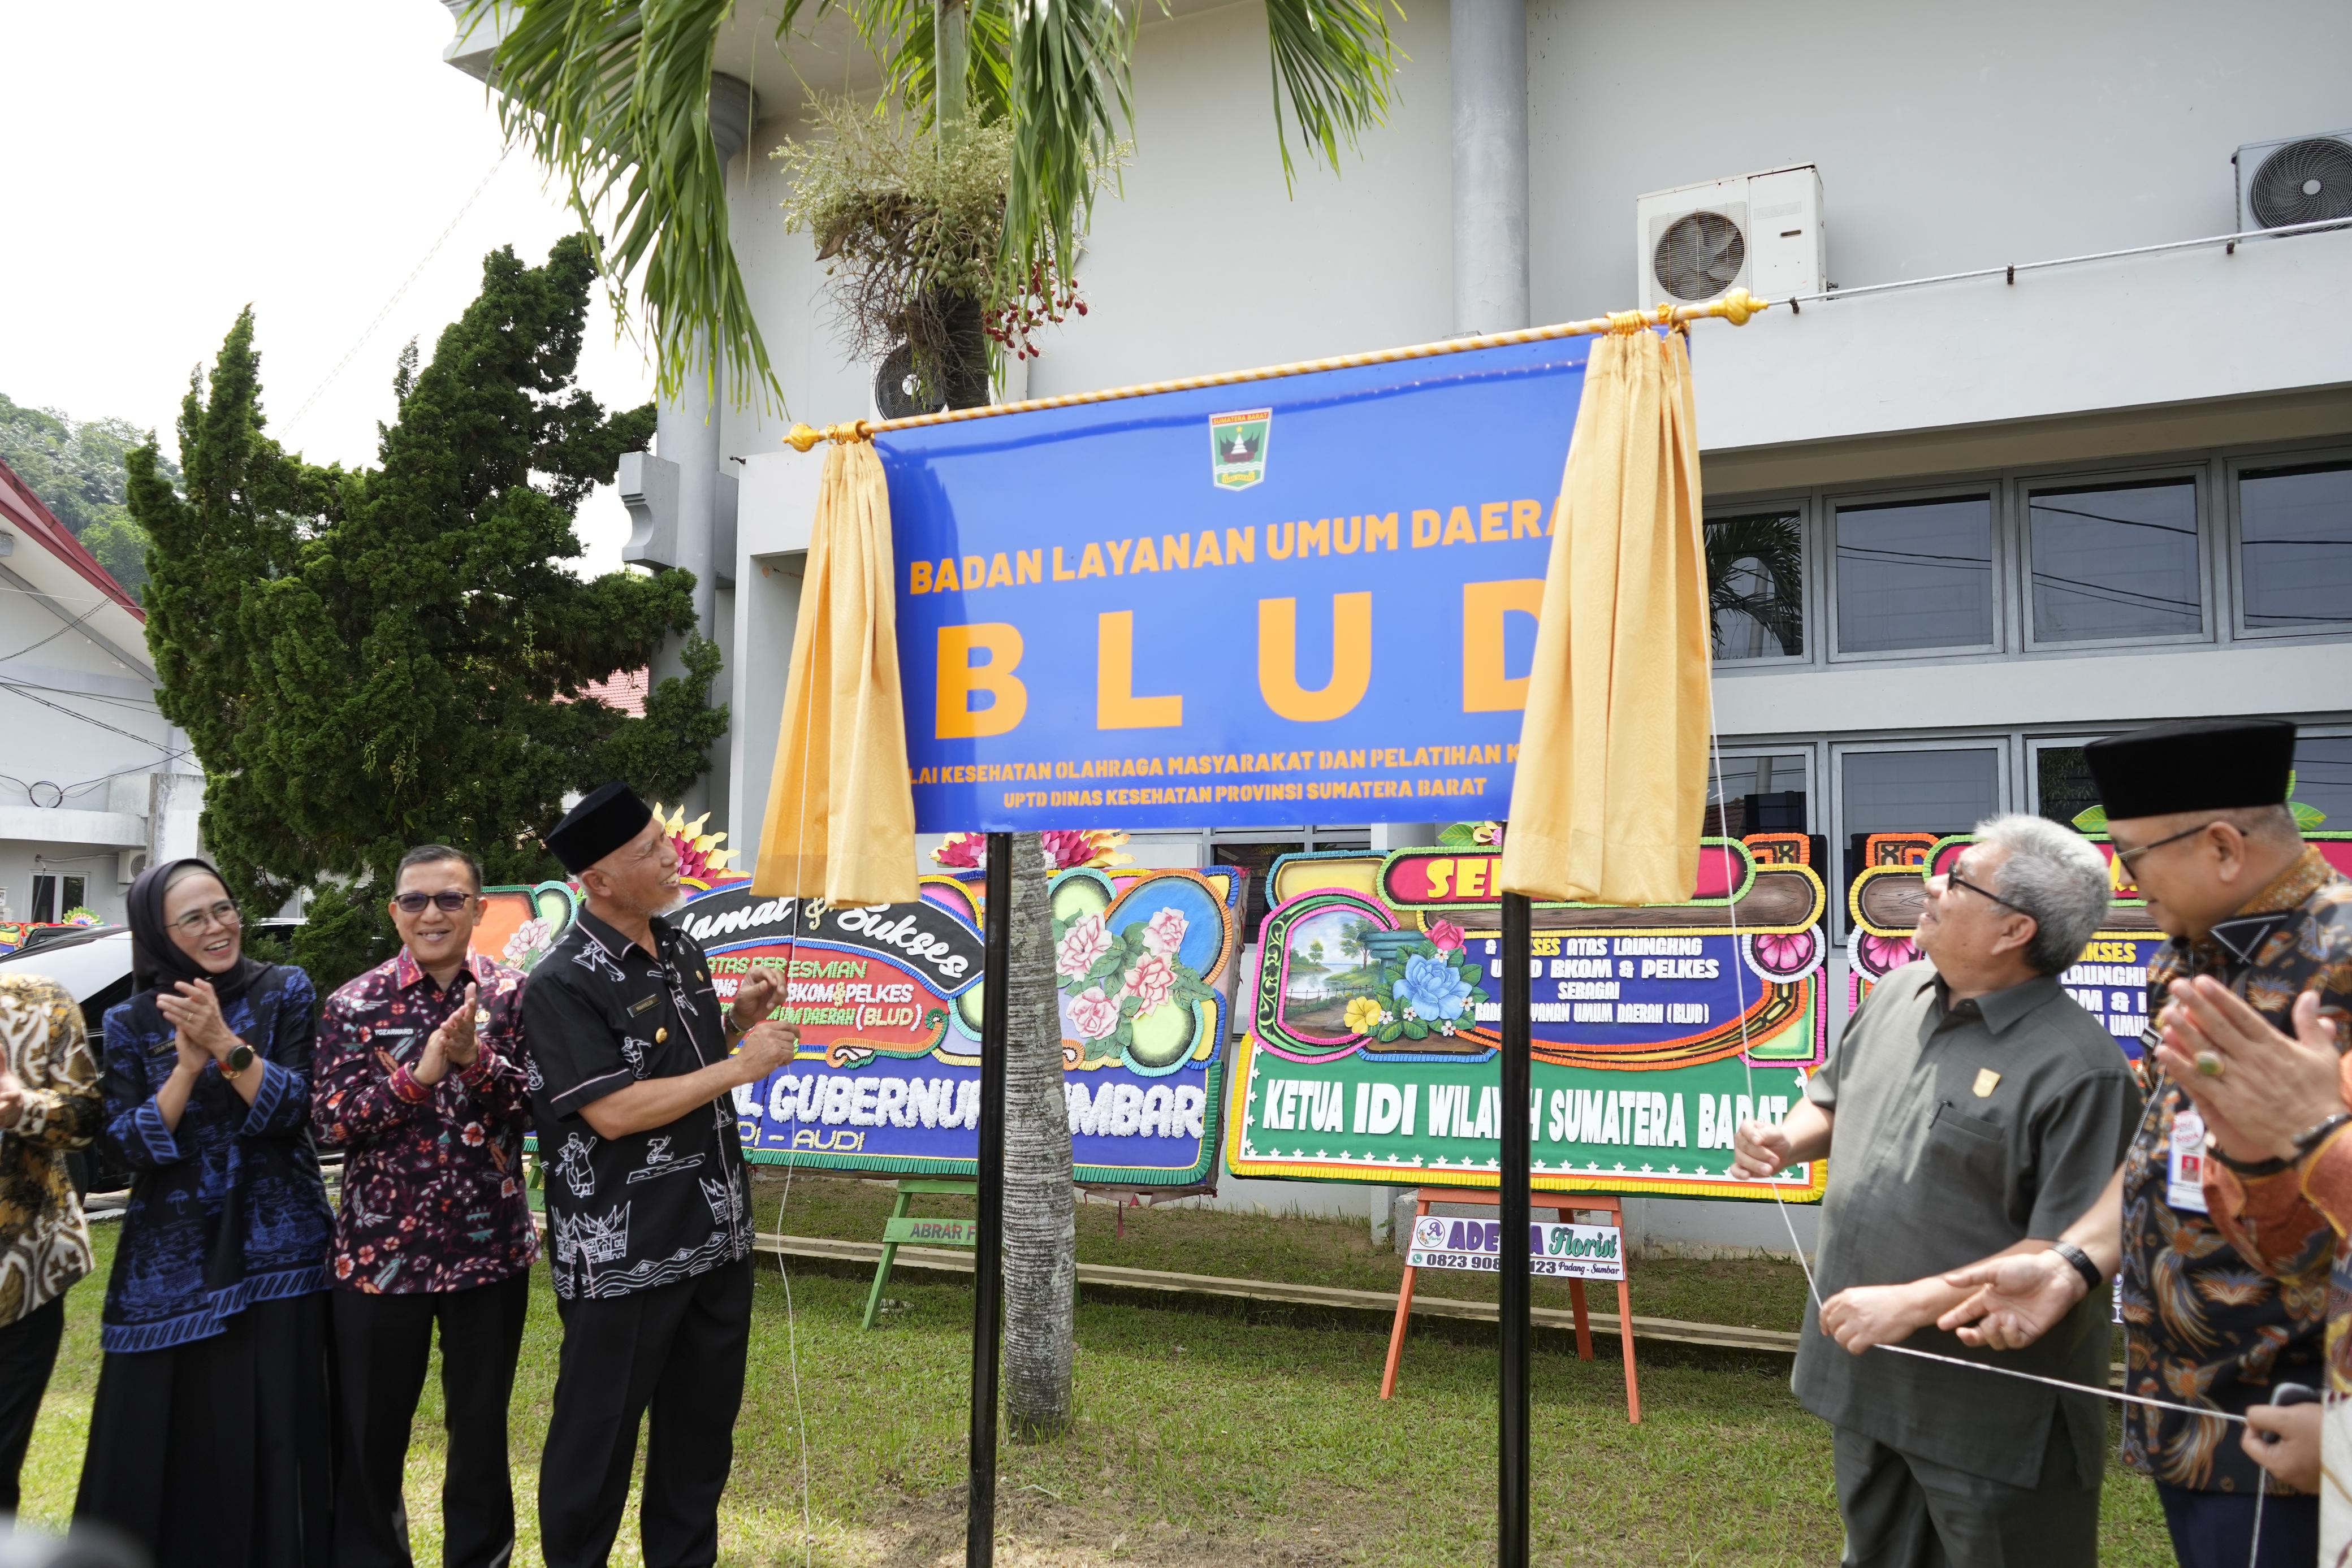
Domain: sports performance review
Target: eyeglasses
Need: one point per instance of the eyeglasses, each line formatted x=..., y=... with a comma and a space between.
x=196, y=920
x=1957, y=880
x=448, y=903
x=2129, y=859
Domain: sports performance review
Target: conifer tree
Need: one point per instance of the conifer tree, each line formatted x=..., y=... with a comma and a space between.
x=372, y=659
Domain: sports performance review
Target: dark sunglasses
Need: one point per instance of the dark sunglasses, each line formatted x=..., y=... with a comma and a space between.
x=1956, y=879
x=449, y=902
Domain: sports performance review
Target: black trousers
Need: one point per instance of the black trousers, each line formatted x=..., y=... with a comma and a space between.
x=677, y=1350
x=218, y=1451
x=382, y=1344
x=29, y=1350
x=2216, y=1528
x=1904, y=1511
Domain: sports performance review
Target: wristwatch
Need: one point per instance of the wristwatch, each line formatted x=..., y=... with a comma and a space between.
x=2081, y=1263
x=2316, y=1134
x=237, y=1060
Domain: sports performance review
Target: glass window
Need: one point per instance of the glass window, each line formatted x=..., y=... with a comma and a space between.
x=1915, y=574
x=2062, y=788
x=45, y=898
x=2295, y=556
x=1755, y=584
x=2114, y=560
x=2323, y=777
x=1757, y=795
x=1916, y=793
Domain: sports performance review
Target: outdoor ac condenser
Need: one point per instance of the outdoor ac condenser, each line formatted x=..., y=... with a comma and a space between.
x=1758, y=232
x=2303, y=180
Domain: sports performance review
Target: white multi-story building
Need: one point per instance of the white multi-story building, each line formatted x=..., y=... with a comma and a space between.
x=93, y=782
x=2031, y=504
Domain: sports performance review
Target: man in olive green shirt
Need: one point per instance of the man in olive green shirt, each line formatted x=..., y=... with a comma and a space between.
x=1975, y=1109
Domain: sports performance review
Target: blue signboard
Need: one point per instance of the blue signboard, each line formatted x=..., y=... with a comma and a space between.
x=1311, y=598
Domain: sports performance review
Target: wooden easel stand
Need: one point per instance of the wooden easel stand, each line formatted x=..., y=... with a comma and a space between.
x=1566, y=1205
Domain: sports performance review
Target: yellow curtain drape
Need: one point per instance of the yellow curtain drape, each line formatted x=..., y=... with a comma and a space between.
x=1610, y=788
x=841, y=816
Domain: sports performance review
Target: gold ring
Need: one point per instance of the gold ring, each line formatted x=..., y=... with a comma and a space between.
x=2209, y=1064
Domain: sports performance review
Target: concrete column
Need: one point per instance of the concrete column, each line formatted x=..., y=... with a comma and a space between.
x=686, y=432
x=1489, y=47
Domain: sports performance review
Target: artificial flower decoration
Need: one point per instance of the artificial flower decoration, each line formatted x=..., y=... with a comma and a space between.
x=1115, y=980
x=1363, y=1014
x=961, y=851
x=1082, y=945
x=1884, y=955
x=1431, y=990
x=1445, y=936
x=699, y=854
x=1788, y=953
x=1067, y=848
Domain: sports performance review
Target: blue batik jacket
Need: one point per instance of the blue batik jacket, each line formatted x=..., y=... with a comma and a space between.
x=227, y=1208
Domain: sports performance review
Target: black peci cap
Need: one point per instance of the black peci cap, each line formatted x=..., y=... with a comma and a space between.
x=2202, y=764
x=607, y=817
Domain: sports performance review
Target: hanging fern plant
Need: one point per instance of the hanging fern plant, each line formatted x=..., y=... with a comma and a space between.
x=911, y=229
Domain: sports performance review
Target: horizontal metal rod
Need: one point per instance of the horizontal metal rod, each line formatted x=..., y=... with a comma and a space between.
x=2010, y=269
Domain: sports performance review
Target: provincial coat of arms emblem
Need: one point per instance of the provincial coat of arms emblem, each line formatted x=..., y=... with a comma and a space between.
x=1237, y=447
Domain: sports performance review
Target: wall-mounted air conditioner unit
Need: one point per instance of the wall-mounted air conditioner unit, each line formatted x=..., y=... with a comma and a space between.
x=2304, y=180
x=1759, y=232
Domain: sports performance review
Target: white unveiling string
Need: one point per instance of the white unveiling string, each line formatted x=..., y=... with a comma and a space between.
x=791, y=956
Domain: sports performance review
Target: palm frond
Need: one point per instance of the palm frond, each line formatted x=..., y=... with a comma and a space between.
x=1768, y=547
x=1071, y=92
x=614, y=100
x=903, y=36
x=1335, y=63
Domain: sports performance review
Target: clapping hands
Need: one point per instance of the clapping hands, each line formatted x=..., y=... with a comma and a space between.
x=454, y=1045
x=192, y=1009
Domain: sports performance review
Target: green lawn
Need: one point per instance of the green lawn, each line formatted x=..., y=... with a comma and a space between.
x=1210, y=1435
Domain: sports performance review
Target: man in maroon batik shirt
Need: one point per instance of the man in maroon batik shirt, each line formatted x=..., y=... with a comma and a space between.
x=420, y=1075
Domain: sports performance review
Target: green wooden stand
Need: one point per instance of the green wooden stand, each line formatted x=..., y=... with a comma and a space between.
x=904, y=1227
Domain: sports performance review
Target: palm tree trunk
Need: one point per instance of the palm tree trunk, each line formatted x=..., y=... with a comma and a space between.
x=950, y=65
x=1041, y=1260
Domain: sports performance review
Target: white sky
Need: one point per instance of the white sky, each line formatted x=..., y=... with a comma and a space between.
x=176, y=162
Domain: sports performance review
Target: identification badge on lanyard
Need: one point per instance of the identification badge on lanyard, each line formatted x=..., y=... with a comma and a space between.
x=2185, y=1183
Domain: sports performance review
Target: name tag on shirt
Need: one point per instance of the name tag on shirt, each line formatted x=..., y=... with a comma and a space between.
x=2185, y=1184
x=400, y=1042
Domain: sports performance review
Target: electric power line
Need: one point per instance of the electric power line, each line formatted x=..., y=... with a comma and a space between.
x=415, y=273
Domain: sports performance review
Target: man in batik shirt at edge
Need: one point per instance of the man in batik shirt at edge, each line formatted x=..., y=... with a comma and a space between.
x=2280, y=1183
x=420, y=1074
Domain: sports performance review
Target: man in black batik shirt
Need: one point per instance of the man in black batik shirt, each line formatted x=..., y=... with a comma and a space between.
x=648, y=1203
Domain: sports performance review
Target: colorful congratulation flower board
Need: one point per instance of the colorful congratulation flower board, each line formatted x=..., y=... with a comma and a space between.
x=2110, y=979
x=887, y=1002
x=1376, y=1017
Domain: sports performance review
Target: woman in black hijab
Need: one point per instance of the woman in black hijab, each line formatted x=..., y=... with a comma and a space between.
x=210, y=1432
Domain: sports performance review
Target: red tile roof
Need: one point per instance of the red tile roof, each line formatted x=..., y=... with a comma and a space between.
x=21, y=509
x=625, y=690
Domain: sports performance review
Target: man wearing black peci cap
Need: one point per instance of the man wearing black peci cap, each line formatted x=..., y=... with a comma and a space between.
x=647, y=1205
x=2256, y=918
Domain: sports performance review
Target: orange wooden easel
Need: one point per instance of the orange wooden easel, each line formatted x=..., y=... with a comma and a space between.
x=1566, y=1205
